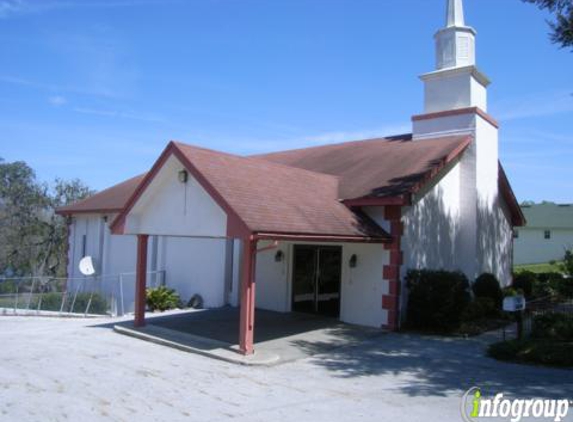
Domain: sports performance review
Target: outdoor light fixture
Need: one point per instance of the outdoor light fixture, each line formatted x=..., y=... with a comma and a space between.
x=183, y=176
x=353, y=261
x=279, y=256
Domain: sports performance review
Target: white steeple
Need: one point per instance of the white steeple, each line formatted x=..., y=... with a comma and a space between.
x=456, y=83
x=455, y=44
x=455, y=13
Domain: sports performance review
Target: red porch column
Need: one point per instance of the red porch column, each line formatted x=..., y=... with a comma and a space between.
x=247, y=322
x=140, y=280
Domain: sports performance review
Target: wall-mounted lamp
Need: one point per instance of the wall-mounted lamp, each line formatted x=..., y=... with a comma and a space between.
x=353, y=261
x=279, y=256
x=183, y=176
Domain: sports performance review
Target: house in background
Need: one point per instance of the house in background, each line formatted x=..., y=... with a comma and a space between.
x=329, y=230
x=547, y=235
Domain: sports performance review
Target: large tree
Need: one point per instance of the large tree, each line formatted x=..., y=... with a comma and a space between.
x=562, y=25
x=33, y=238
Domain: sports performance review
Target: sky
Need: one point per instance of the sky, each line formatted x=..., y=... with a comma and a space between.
x=95, y=89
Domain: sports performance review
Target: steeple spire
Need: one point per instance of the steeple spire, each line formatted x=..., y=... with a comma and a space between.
x=455, y=44
x=455, y=13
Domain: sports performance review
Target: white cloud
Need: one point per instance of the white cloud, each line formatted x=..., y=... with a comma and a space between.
x=119, y=114
x=534, y=105
x=10, y=7
x=21, y=7
x=57, y=100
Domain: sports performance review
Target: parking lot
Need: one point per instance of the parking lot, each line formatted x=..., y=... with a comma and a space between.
x=81, y=370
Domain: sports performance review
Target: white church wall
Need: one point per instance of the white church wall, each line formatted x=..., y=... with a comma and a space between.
x=272, y=278
x=431, y=237
x=443, y=126
x=171, y=208
x=195, y=266
x=361, y=288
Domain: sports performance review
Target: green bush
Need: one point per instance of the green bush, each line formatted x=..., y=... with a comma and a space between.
x=487, y=286
x=536, y=351
x=436, y=299
x=162, y=298
x=480, y=308
x=554, y=325
x=525, y=280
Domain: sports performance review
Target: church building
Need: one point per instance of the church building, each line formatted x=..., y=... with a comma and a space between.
x=331, y=229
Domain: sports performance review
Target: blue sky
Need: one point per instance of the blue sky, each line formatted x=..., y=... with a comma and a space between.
x=95, y=89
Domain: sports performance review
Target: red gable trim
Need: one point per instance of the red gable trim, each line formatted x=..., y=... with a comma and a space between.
x=517, y=217
x=236, y=227
x=460, y=111
x=321, y=238
x=374, y=202
x=406, y=199
x=436, y=170
x=88, y=211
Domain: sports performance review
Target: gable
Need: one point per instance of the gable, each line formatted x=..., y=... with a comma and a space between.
x=170, y=207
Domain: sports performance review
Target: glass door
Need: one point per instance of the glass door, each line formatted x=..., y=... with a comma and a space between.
x=316, y=279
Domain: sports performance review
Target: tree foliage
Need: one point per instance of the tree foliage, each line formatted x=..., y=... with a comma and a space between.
x=33, y=238
x=562, y=26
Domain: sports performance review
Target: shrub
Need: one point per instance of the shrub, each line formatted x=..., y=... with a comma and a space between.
x=567, y=265
x=525, y=280
x=554, y=325
x=162, y=298
x=487, y=285
x=536, y=351
x=480, y=308
x=436, y=299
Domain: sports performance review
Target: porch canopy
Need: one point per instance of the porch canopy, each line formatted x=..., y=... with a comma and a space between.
x=196, y=192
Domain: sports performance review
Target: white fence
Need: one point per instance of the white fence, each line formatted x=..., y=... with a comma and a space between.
x=98, y=295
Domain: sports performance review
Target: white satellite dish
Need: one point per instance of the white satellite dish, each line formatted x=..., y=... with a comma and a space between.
x=87, y=266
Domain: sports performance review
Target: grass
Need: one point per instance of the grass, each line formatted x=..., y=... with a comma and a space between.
x=539, y=268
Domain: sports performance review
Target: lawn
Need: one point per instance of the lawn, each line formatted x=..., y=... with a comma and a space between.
x=539, y=268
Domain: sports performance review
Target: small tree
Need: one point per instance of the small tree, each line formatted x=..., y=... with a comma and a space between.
x=562, y=26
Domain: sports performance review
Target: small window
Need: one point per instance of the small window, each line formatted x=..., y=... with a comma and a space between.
x=84, y=245
x=547, y=234
x=516, y=234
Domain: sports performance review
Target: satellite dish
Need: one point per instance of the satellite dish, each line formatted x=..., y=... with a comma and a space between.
x=87, y=266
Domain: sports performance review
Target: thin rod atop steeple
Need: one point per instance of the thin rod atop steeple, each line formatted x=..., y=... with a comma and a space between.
x=455, y=13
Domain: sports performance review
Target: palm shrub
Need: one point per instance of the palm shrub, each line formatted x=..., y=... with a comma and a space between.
x=162, y=298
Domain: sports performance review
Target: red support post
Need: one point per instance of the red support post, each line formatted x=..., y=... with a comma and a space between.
x=140, y=280
x=247, y=321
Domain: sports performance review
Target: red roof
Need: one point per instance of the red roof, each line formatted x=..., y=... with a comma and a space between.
x=300, y=191
x=110, y=200
x=266, y=197
x=376, y=167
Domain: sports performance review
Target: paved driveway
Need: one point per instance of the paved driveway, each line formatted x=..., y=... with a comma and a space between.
x=80, y=370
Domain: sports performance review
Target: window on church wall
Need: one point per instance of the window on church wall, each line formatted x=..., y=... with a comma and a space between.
x=547, y=234
x=84, y=245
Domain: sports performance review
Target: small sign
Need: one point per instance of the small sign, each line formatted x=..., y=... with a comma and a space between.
x=514, y=303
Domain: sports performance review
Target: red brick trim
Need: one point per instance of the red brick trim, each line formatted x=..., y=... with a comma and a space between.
x=457, y=112
x=391, y=271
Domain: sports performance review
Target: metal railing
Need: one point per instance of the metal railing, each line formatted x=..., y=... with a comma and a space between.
x=98, y=295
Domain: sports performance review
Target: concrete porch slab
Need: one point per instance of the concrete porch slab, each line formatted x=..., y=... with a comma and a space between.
x=279, y=337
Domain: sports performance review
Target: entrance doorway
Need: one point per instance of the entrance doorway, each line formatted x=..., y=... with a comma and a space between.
x=316, y=279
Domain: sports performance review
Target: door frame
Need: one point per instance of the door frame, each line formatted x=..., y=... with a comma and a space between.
x=317, y=247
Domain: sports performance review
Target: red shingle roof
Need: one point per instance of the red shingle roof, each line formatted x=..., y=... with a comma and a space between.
x=376, y=167
x=109, y=200
x=267, y=197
